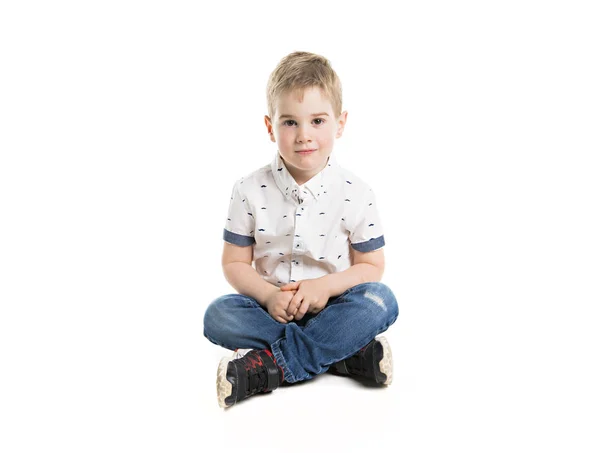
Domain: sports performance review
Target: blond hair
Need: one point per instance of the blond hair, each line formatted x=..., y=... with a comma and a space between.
x=300, y=70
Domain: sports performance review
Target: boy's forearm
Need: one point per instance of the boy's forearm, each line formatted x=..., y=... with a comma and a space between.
x=244, y=278
x=339, y=282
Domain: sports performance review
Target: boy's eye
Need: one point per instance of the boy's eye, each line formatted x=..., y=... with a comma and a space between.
x=292, y=122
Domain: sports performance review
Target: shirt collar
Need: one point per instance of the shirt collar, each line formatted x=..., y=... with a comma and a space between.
x=312, y=189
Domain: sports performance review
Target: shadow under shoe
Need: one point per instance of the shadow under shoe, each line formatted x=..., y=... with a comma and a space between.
x=373, y=363
x=256, y=371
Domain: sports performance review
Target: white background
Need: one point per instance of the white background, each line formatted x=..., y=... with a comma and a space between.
x=123, y=126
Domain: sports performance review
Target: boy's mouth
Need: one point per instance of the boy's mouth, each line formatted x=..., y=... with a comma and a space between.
x=306, y=151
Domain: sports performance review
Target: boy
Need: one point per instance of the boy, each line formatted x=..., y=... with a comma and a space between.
x=314, y=302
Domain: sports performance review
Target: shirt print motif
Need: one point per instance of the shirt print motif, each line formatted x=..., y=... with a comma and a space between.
x=302, y=232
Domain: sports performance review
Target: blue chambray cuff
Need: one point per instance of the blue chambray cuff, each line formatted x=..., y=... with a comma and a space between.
x=370, y=245
x=237, y=239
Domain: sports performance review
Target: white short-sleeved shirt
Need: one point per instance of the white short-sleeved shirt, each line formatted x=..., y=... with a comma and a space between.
x=302, y=232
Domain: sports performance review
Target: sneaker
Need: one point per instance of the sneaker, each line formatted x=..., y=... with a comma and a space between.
x=373, y=362
x=254, y=371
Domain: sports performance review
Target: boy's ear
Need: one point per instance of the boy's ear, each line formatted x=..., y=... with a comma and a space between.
x=341, y=124
x=269, y=128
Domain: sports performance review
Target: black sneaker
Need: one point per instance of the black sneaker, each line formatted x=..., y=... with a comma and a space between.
x=240, y=378
x=373, y=362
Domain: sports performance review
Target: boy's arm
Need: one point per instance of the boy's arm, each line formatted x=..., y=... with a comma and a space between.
x=244, y=278
x=366, y=267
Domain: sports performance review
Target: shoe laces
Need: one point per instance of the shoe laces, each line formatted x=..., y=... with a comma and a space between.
x=256, y=372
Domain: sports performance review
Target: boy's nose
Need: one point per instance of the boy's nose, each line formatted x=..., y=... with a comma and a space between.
x=302, y=136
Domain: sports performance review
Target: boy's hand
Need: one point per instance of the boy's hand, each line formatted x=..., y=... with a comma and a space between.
x=277, y=304
x=311, y=296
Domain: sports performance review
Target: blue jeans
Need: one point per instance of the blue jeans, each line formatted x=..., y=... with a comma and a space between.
x=304, y=348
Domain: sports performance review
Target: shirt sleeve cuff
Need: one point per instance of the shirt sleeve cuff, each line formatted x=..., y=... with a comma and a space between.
x=370, y=245
x=237, y=239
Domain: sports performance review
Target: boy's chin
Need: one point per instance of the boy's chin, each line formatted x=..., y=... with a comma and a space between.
x=307, y=159
x=309, y=166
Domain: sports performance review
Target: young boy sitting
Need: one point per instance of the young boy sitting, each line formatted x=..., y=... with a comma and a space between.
x=314, y=302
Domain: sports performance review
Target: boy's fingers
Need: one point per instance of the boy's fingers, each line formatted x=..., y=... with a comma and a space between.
x=285, y=316
x=303, y=309
x=289, y=286
x=294, y=306
x=296, y=300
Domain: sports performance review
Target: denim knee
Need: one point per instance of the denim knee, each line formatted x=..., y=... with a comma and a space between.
x=215, y=316
x=381, y=295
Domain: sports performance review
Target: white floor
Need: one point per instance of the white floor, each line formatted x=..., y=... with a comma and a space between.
x=326, y=412
x=469, y=392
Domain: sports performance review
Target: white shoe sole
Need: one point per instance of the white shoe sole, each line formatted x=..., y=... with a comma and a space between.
x=224, y=387
x=386, y=364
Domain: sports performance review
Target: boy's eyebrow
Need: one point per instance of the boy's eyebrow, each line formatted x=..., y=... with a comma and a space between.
x=314, y=114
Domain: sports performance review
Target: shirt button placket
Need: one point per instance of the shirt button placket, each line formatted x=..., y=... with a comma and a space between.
x=298, y=245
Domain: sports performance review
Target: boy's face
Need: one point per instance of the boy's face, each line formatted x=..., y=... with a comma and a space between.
x=300, y=125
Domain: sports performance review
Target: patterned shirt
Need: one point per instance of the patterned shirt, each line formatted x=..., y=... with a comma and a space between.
x=302, y=232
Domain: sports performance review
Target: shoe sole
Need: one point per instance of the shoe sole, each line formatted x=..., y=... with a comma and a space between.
x=386, y=364
x=224, y=387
